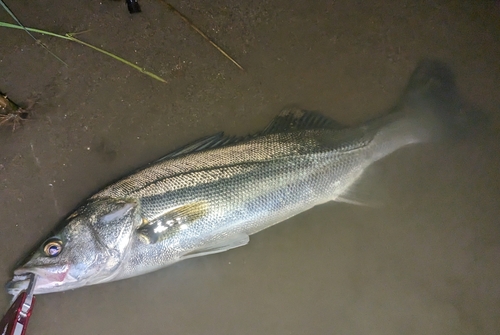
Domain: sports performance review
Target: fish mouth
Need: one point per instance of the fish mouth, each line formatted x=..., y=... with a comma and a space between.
x=48, y=280
x=18, y=284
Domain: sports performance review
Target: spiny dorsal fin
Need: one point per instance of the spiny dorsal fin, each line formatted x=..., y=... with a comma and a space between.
x=298, y=119
x=198, y=145
x=288, y=119
x=210, y=142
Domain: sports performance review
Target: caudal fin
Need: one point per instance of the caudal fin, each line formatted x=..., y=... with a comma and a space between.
x=432, y=89
x=430, y=109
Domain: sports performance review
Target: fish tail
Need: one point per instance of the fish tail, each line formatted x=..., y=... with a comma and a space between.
x=432, y=98
x=430, y=109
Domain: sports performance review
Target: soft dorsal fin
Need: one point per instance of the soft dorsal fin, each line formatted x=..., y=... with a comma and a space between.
x=298, y=119
x=288, y=119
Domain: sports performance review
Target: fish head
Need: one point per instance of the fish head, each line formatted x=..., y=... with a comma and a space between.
x=88, y=249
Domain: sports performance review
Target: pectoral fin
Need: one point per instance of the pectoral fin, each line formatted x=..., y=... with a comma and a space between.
x=230, y=242
x=175, y=219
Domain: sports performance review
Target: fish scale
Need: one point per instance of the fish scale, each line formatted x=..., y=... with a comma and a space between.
x=259, y=196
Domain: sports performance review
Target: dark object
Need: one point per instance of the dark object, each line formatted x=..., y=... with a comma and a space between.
x=15, y=321
x=133, y=6
x=10, y=113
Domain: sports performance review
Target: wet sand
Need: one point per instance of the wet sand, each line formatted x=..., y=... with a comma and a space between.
x=424, y=262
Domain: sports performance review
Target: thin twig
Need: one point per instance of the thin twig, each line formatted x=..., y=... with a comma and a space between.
x=188, y=21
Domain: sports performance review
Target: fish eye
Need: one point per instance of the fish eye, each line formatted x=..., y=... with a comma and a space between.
x=52, y=247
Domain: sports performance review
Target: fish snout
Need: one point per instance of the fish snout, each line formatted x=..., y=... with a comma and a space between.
x=18, y=284
x=49, y=278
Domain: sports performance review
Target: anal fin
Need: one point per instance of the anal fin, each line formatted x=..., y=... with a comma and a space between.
x=365, y=191
x=349, y=199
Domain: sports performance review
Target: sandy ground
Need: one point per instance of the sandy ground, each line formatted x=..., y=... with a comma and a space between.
x=426, y=262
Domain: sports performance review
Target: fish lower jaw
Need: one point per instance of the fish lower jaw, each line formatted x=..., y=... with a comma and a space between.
x=42, y=286
x=15, y=287
x=46, y=282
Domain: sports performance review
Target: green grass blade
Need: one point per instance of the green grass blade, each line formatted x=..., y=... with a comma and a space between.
x=14, y=26
x=70, y=37
x=7, y=9
x=138, y=68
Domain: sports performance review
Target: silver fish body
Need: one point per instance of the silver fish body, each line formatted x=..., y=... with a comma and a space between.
x=241, y=189
x=211, y=196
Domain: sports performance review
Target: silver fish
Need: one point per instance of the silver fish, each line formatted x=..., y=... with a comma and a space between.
x=210, y=196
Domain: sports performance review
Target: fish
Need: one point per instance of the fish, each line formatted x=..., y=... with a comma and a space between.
x=211, y=195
